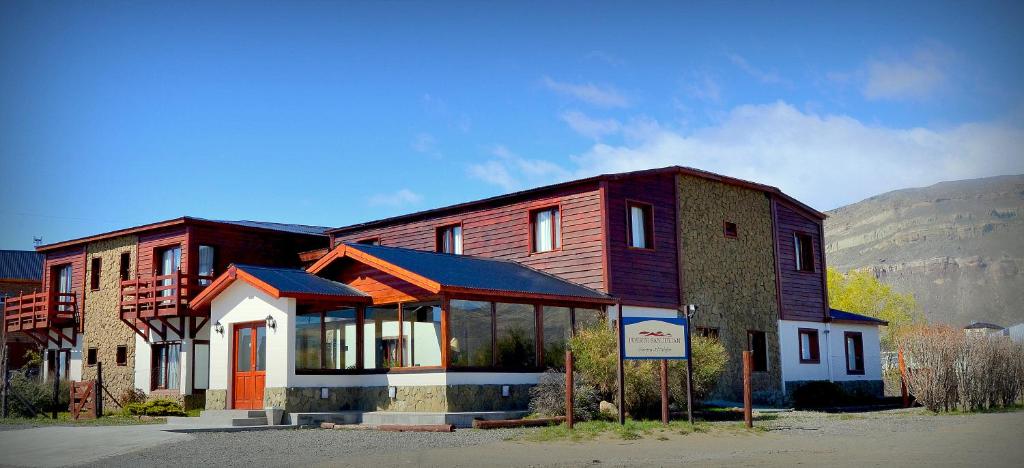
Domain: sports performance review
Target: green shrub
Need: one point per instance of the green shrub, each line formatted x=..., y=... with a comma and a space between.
x=548, y=396
x=157, y=407
x=819, y=394
x=595, y=355
x=37, y=393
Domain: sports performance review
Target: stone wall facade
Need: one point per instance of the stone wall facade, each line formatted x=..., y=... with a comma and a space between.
x=732, y=280
x=103, y=328
x=426, y=398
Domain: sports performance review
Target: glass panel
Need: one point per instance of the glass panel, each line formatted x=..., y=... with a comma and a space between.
x=470, y=327
x=244, y=350
x=160, y=366
x=421, y=333
x=805, y=346
x=170, y=262
x=515, y=335
x=380, y=334
x=558, y=228
x=457, y=235
x=205, y=263
x=589, y=318
x=201, y=380
x=173, y=365
x=636, y=224
x=557, y=331
x=542, y=241
x=261, y=348
x=340, y=339
x=307, y=341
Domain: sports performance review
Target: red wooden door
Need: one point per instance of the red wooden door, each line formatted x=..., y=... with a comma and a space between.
x=250, y=365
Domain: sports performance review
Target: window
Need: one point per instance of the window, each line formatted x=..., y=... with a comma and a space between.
x=546, y=230
x=854, y=353
x=369, y=241
x=421, y=334
x=206, y=258
x=758, y=347
x=731, y=231
x=90, y=357
x=707, y=332
x=557, y=331
x=588, y=318
x=62, y=284
x=166, y=365
x=804, y=251
x=808, y=346
x=126, y=265
x=122, y=355
x=469, y=324
x=641, y=227
x=449, y=239
x=380, y=335
x=515, y=327
x=325, y=340
x=94, y=273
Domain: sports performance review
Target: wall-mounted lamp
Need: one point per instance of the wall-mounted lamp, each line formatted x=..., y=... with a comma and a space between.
x=506, y=391
x=271, y=323
x=392, y=392
x=691, y=310
x=217, y=327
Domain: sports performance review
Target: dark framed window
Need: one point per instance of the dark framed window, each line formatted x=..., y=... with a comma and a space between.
x=326, y=339
x=515, y=335
x=545, y=229
x=125, y=266
x=94, y=273
x=369, y=241
x=556, y=330
x=449, y=239
x=207, y=258
x=121, y=358
x=166, y=365
x=421, y=334
x=380, y=327
x=584, y=318
x=90, y=356
x=803, y=245
x=730, y=230
x=471, y=333
x=706, y=332
x=757, y=344
x=640, y=225
x=854, y=344
x=808, y=339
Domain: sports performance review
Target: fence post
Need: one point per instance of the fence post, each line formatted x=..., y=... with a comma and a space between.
x=903, y=378
x=748, y=418
x=569, y=410
x=664, y=391
x=56, y=384
x=98, y=391
x=5, y=383
x=620, y=374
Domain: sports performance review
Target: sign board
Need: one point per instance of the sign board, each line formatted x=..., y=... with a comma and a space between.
x=654, y=338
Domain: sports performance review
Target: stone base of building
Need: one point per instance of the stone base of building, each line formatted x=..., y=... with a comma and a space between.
x=187, y=402
x=426, y=398
x=856, y=389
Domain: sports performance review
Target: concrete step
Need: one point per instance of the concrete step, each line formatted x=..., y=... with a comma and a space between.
x=314, y=419
x=254, y=421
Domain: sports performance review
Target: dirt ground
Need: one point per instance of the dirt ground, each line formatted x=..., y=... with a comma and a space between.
x=866, y=439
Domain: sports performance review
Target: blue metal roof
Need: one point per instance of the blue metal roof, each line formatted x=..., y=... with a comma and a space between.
x=295, y=281
x=21, y=264
x=478, y=273
x=292, y=228
x=850, y=316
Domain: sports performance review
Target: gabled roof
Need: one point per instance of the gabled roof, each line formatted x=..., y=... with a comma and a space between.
x=281, y=282
x=21, y=265
x=261, y=225
x=979, y=325
x=509, y=197
x=437, y=272
x=843, y=316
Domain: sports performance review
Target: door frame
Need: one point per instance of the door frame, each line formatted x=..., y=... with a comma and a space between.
x=234, y=354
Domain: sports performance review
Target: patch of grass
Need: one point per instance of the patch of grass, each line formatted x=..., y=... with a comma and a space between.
x=193, y=413
x=632, y=430
x=999, y=409
x=64, y=419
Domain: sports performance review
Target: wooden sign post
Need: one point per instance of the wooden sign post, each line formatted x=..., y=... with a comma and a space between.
x=650, y=338
x=748, y=364
x=569, y=410
x=664, y=392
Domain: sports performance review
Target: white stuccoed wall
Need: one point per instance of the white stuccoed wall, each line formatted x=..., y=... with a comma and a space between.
x=834, y=360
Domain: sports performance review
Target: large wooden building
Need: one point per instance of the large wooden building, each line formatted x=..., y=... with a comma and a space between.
x=458, y=308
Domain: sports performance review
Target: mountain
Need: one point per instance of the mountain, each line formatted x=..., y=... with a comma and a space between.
x=957, y=246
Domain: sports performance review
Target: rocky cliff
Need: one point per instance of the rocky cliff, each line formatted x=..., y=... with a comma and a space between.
x=957, y=246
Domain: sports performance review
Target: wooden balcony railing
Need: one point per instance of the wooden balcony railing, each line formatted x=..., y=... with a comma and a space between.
x=160, y=296
x=40, y=311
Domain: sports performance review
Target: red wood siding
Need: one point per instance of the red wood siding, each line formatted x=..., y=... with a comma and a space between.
x=383, y=287
x=802, y=293
x=76, y=257
x=234, y=245
x=503, y=232
x=150, y=242
x=640, y=276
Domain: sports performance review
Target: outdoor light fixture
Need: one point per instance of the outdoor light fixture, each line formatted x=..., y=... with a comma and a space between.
x=217, y=327
x=324, y=393
x=691, y=310
x=506, y=391
x=271, y=323
x=392, y=392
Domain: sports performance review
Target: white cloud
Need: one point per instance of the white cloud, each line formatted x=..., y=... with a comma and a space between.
x=511, y=171
x=402, y=197
x=605, y=57
x=590, y=127
x=824, y=160
x=601, y=96
x=704, y=87
x=424, y=142
x=769, y=77
x=914, y=77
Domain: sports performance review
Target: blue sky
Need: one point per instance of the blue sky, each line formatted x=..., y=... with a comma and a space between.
x=331, y=113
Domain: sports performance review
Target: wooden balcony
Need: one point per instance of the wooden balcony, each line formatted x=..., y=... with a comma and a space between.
x=39, y=314
x=161, y=303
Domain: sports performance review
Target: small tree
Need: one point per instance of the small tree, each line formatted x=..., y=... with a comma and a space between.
x=858, y=291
